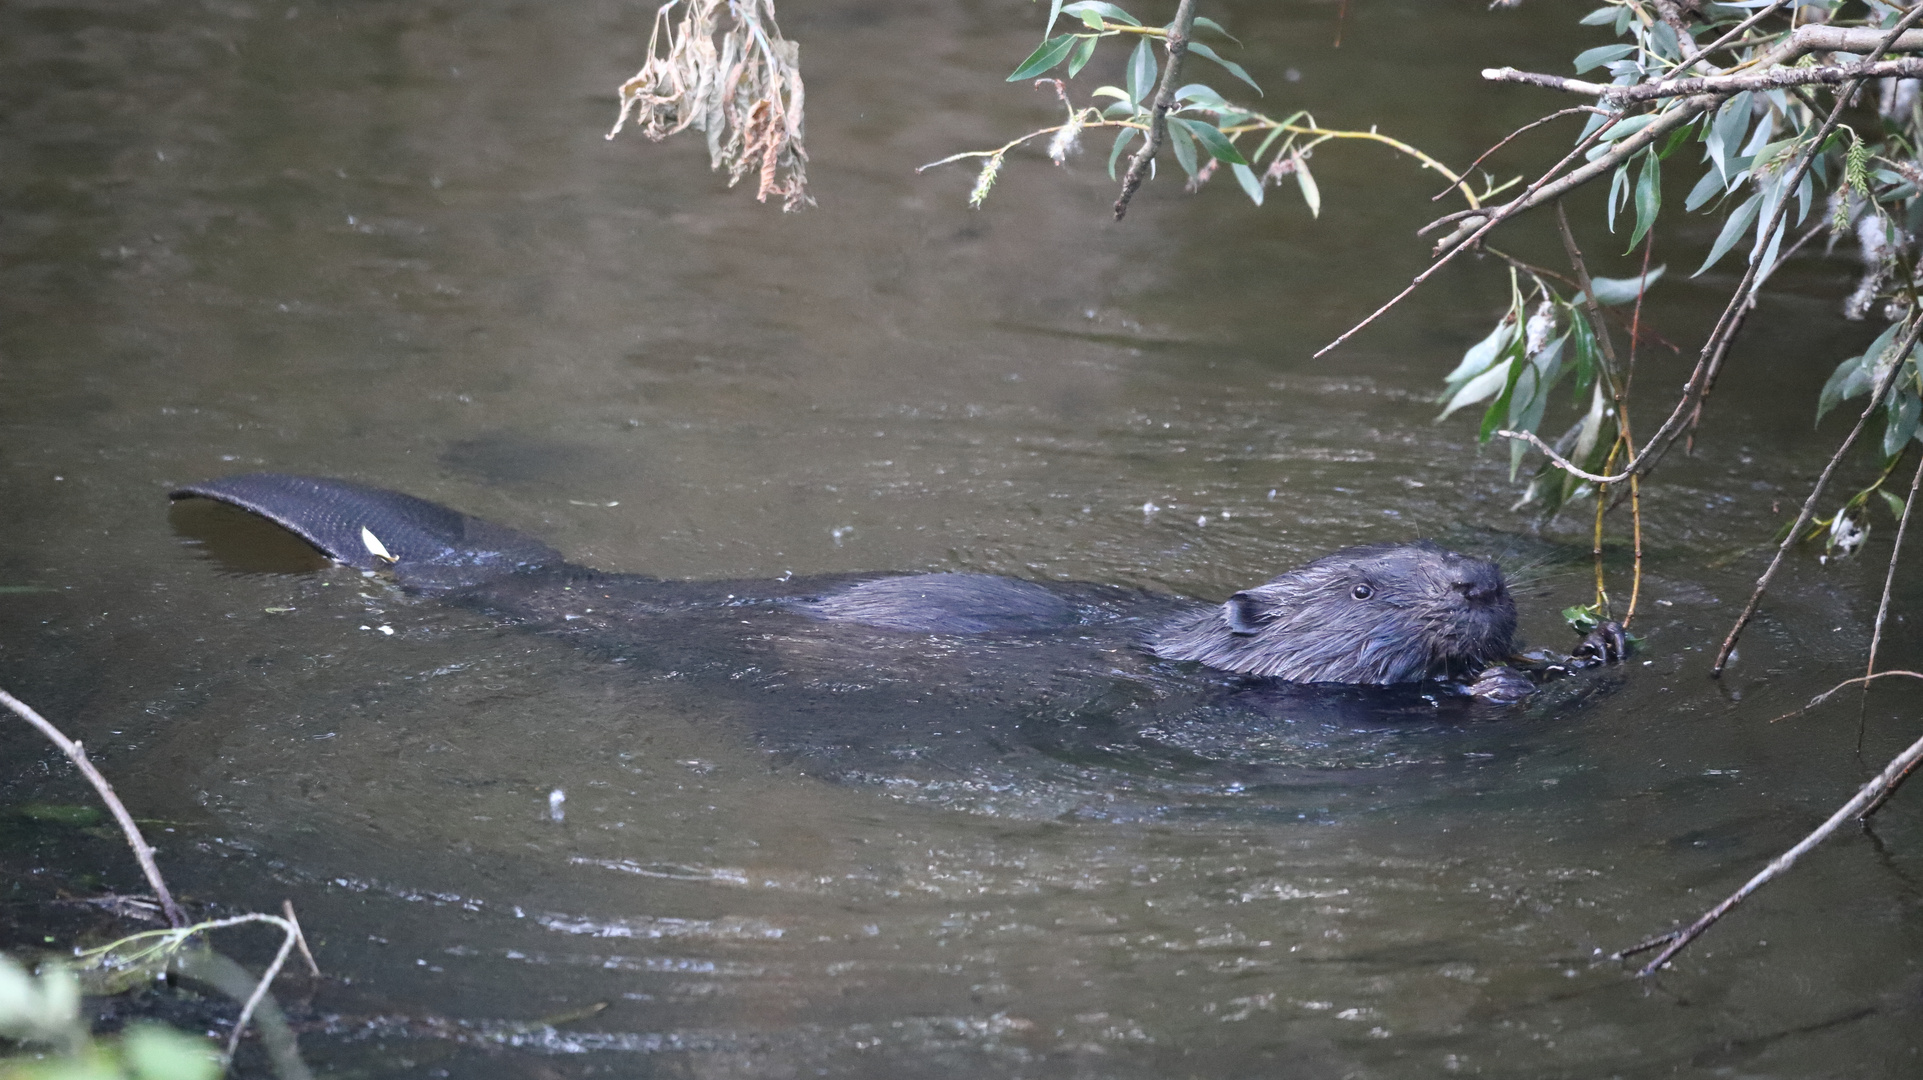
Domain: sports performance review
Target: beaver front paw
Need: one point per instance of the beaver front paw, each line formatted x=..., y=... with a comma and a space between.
x=1501, y=684
x=1608, y=643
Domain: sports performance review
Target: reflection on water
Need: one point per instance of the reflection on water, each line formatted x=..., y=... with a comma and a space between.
x=387, y=242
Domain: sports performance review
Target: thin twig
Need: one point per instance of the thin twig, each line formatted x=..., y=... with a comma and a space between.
x=1816, y=492
x=1177, y=44
x=1889, y=579
x=1885, y=782
x=143, y=852
x=260, y=989
x=1506, y=139
x=300, y=938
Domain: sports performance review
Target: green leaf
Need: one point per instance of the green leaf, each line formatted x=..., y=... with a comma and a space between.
x=1613, y=291
x=1079, y=58
x=1210, y=24
x=1599, y=16
x=1480, y=388
x=1649, y=195
x=1835, y=390
x=1893, y=501
x=1141, y=72
x=1120, y=141
x=1600, y=55
x=158, y=1052
x=1052, y=52
x=1710, y=186
x=1212, y=140
x=1234, y=69
x=1054, y=12
x=1086, y=8
x=1740, y=219
x=1482, y=353
x=1900, y=424
x=1184, y=147
x=1203, y=96
x=1310, y=193
x=1251, y=183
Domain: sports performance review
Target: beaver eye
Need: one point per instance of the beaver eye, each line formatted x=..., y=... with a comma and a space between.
x=1361, y=592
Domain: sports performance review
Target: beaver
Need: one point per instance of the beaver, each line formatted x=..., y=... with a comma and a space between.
x=1379, y=614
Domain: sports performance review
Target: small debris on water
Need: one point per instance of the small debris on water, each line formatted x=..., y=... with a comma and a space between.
x=557, y=805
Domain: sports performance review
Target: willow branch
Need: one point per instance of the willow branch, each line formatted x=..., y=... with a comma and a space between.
x=1177, y=44
x=1722, y=85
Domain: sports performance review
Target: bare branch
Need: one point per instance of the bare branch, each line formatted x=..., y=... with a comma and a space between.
x=1885, y=782
x=1725, y=85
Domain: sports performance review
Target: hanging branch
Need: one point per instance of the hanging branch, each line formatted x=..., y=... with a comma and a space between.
x=1177, y=44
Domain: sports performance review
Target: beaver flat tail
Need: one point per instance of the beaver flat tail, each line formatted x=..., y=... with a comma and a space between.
x=425, y=544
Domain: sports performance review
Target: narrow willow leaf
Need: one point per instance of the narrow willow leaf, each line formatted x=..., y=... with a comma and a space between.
x=1710, y=186
x=1770, y=250
x=1120, y=141
x=1052, y=52
x=1599, y=16
x=1649, y=194
x=1141, y=72
x=1739, y=222
x=1482, y=353
x=1210, y=24
x=1618, y=189
x=1726, y=133
x=1479, y=388
x=1613, y=291
x=1310, y=193
x=1893, y=501
x=1079, y=58
x=1805, y=192
x=1205, y=96
x=1106, y=10
x=1212, y=140
x=1839, y=380
x=1231, y=66
x=1662, y=41
x=1900, y=425
x=1251, y=183
x=1092, y=20
x=1184, y=146
x=1600, y=55
x=1054, y=12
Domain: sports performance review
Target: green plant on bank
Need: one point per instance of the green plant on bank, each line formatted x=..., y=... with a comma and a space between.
x=45, y=1011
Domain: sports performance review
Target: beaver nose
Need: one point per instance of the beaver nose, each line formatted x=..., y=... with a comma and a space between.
x=1479, y=584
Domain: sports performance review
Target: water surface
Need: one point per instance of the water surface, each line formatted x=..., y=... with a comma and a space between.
x=387, y=242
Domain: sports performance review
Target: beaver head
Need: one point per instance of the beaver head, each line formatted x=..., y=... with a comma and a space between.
x=1380, y=613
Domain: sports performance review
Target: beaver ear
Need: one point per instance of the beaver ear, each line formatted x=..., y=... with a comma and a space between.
x=1243, y=614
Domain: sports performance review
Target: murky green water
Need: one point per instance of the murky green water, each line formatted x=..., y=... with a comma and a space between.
x=387, y=241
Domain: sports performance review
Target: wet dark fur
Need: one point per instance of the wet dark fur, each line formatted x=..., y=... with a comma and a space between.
x=1382, y=613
